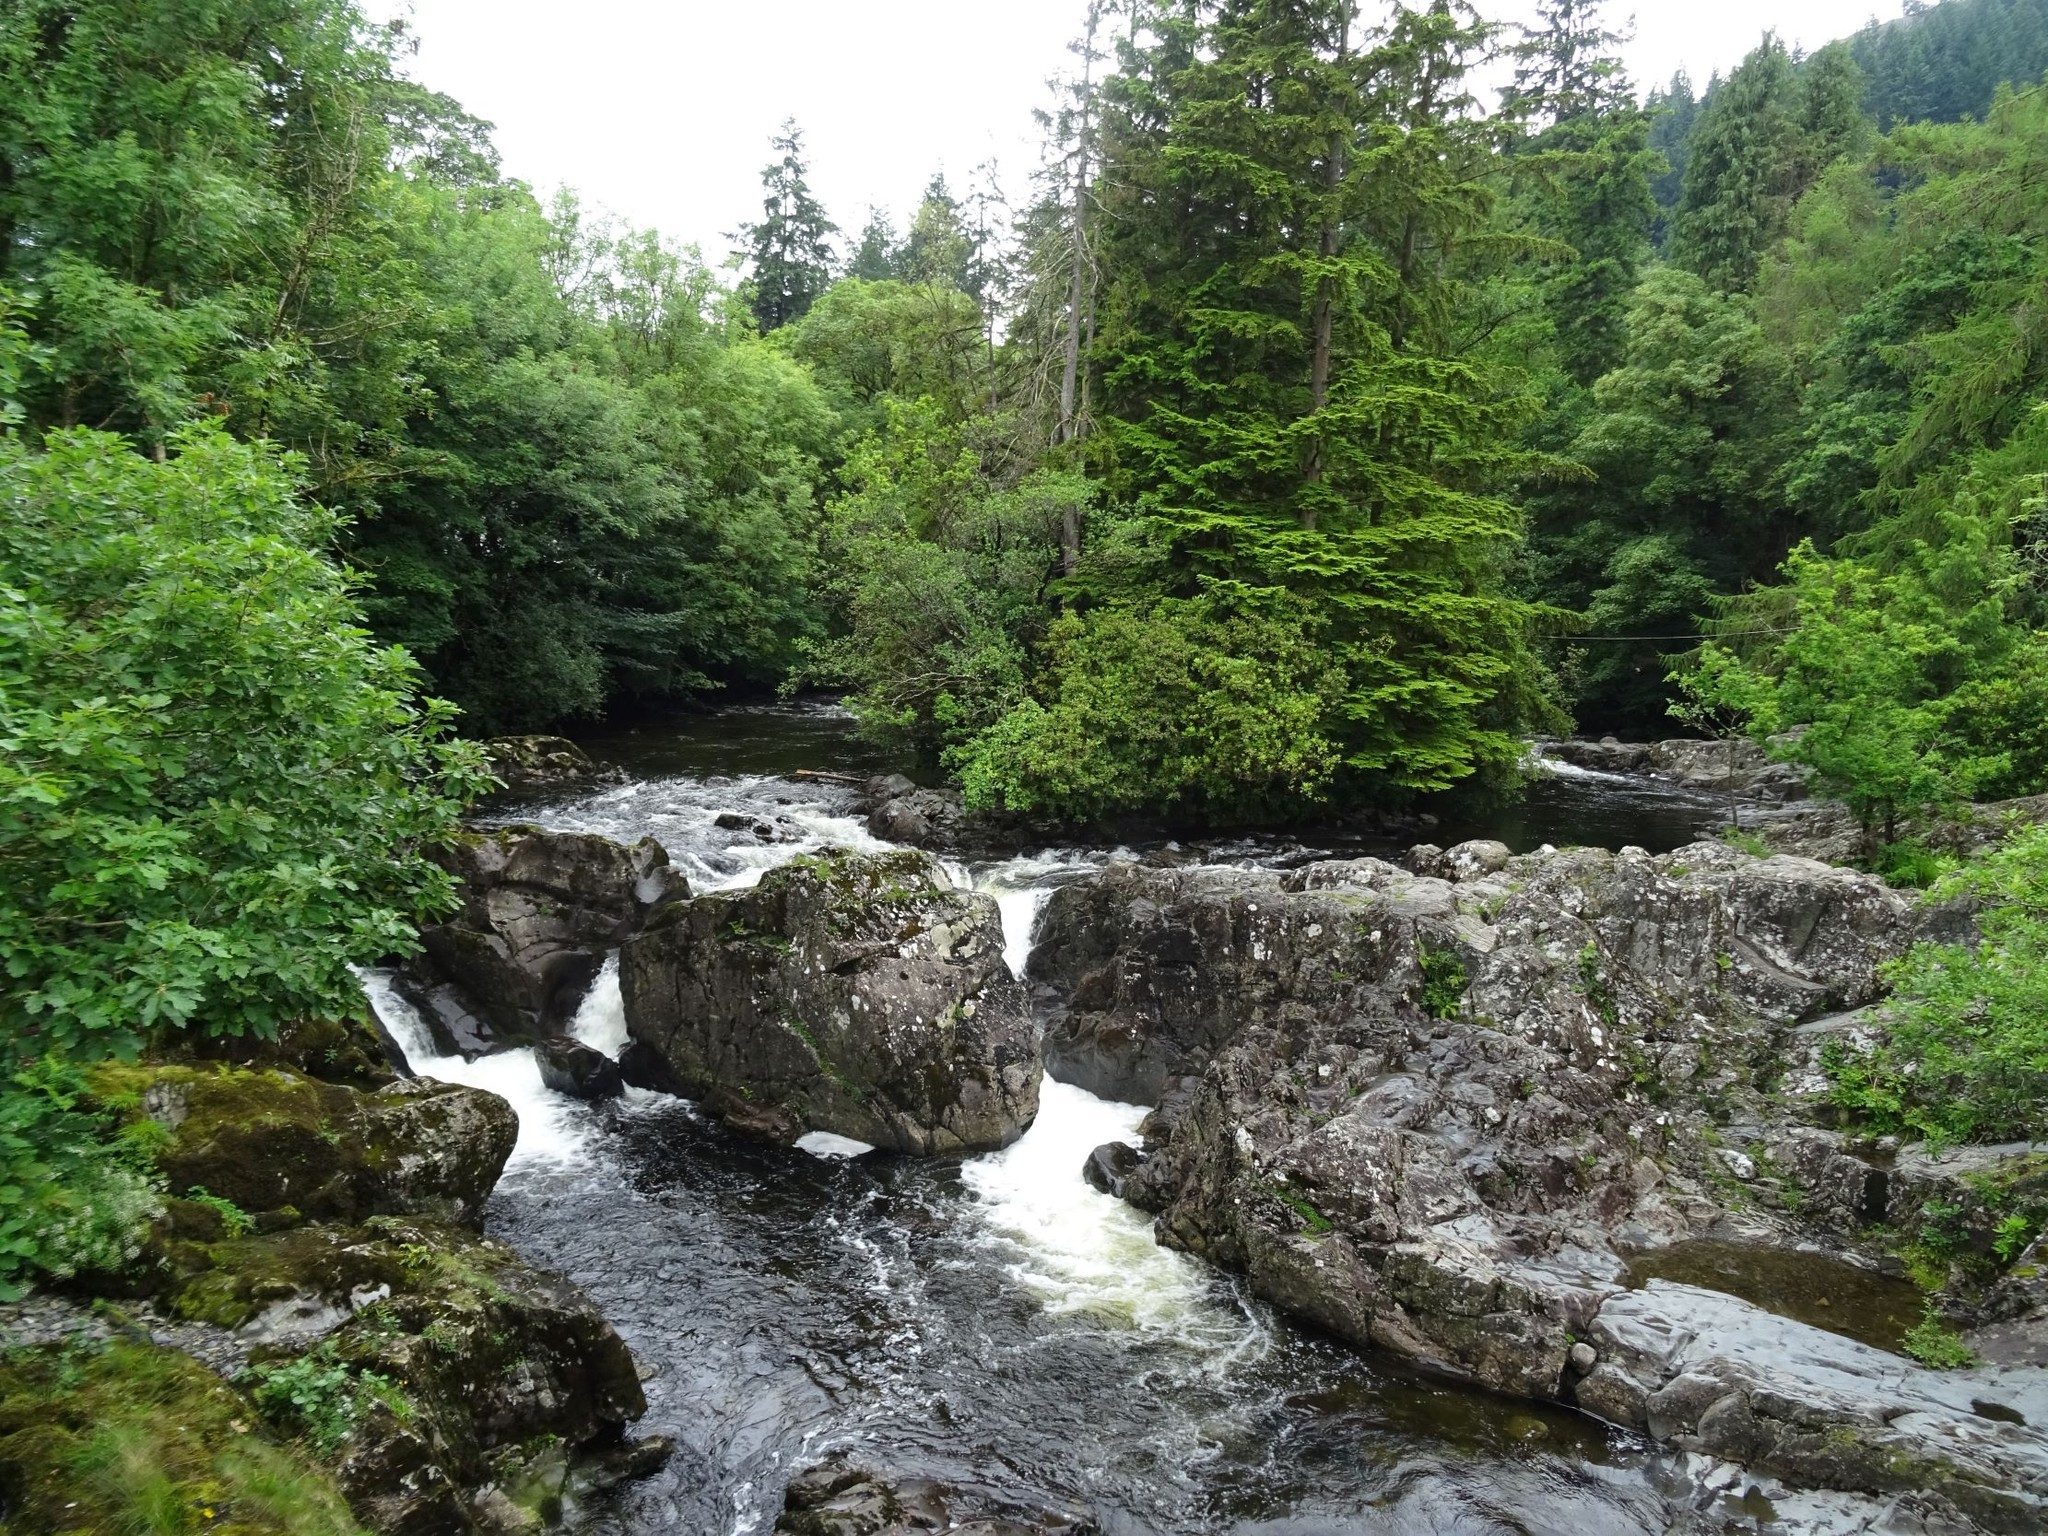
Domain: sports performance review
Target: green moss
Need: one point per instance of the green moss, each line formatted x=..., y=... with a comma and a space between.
x=1316, y=1222
x=131, y=1440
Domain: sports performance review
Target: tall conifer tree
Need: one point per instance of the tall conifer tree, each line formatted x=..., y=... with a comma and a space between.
x=1293, y=201
x=790, y=250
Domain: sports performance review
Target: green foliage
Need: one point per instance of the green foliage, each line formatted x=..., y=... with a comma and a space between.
x=1288, y=422
x=1443, y=982
x=218, y=794
x=77, y=1194
x=1182, y=705
x=131, y=1440
x=1963, y=1050
x=1936, y=1345
x=939, y=574
x=236, y=1221
x=789, y=252
x=321, y=1400
x=1878, y=674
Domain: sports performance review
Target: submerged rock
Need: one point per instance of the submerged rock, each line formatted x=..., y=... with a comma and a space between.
x=840, y=1498
x=856, y=994
x=570, y=1067
x=540, y=911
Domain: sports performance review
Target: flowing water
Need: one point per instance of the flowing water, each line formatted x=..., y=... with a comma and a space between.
x=991, y=1322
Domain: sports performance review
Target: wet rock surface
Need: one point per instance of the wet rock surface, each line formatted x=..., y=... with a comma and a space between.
x=840, y=1498
x=855, y=994
x=1441, y=1113
x=1742, y=768
x=540, y=910
x=569, y=1067
x=320, y=1228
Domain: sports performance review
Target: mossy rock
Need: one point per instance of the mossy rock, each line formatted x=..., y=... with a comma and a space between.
x=129, y=1437
x=276, y=1141
x=351, y=1052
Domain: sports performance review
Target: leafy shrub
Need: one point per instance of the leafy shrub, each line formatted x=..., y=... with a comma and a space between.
x=236, y=1221
x=320, y=1399
x=1443, y=983
x=217, y=793
x=1178, y=705
x=1936, y=1345
x=1910, y=866
x=76, y=1194
x=1964, y=1052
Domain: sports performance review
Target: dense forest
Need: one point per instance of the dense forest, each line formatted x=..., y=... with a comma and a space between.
x=1310, y=432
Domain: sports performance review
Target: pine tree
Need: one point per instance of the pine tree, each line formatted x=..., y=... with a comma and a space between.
x=938, y=248
x=1743, y=171
x=876, y=259
x=790, y=250
x=1292, y=205
x=1589, y=164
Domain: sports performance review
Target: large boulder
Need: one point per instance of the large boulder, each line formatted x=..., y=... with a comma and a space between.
x=469, y=1366
x=540, y=911
x=1443, y=1117
x=275, y=1141
x=857, y=994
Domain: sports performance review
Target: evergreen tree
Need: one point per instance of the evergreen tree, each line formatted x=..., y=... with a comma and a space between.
x=1302, y=465
x=1674, y=113
x=938, y=248
x=876, y=258
x=1742, y=172
x=1590, y=165
x=789, y=252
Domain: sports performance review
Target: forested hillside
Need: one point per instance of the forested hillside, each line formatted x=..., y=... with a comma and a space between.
x=1313, y=429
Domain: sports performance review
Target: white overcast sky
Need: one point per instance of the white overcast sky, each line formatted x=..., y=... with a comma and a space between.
x=659, y=111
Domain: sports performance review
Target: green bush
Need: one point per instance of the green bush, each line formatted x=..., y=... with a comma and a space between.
x=76, y=1193
x=321, y=1400
x=1963, y=1055
x=1443, y=983
x=217, y=794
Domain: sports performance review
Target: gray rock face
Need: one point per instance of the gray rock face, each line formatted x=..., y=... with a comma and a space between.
x=1440, y=1117
x=1706, y=1373
x=856, y=994
x=540, y=910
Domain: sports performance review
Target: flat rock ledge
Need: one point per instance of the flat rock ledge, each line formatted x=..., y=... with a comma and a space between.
x=839, y=1497
x=856, y=994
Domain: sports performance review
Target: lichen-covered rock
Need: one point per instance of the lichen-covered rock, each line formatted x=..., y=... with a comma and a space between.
x=1436, y=1115
x=539, y=767
x=276, y=1141
x=540, y=910
x=856, y=994
x=481, y=1355
x=840, y=1498
x=1742, y=768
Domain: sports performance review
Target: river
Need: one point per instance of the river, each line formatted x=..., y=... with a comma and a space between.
x=991, y=1322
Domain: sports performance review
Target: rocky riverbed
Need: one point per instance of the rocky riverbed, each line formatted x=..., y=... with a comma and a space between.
x=1531, y=1140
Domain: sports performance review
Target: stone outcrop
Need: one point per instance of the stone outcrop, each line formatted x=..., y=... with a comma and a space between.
x=840, y=1498
x=531, y=768
x=330, y=1234
x=1831, y=833
x=1707, y=1373
x=1741, y=768
x=540, y=911
x=279, y=1144
x=856, y=994
x=570, y=1067
x=1444, y=1113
